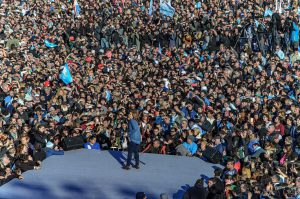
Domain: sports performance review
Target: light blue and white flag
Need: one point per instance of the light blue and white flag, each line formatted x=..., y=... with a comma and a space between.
x=8, y=100
x=151, y=8
x=280, y=54
x=65, y=75
x=49, y=44
x=159, y=49
x=166, y=8
x=198, y=5
x=76, y=8
x=268, y=12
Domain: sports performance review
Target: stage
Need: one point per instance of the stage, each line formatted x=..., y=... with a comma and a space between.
x=89, y=174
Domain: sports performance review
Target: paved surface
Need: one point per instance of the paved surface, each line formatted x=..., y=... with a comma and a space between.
x=89, y=174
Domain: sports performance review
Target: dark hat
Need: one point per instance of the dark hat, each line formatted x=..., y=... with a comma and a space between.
x=217, y=137
x=140, y=195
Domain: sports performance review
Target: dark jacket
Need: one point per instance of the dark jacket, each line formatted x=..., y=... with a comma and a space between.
x=41, y=139
x=214, y=192
x=196, y=192
x=39, y=155
x=25, y=166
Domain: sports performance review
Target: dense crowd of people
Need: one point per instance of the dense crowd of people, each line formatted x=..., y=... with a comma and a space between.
x=218, y=75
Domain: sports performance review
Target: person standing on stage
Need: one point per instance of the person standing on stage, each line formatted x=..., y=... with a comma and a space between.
x=134, y=140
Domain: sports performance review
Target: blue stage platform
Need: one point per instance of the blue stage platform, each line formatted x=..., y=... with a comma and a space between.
x=89, y=174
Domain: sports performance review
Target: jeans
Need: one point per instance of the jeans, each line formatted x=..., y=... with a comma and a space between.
x=51, y=152
x=133, y=148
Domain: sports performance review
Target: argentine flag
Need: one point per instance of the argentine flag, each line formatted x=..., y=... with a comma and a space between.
x=76, y=8
x=159, y=48
x=268, y=12
x=166, y=8
x=49, y=44
x=65, y=75
x=8, y=100
x=150, y=8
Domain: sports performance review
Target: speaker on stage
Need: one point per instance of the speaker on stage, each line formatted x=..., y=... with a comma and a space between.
x=212, y=155
x=70, y=143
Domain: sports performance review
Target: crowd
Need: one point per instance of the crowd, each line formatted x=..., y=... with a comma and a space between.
x=218, y=75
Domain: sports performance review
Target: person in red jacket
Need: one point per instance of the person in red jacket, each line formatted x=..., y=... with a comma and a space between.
x=279, y=127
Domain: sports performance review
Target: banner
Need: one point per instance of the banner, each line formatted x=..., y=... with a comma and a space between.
x=166, y=8
x=65, y=75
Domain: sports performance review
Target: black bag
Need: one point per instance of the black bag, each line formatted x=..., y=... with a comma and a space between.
x=71, y=143
x=212, y=155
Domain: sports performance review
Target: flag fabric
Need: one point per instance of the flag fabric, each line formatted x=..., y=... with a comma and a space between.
x=8, y=100
x=76, y=8
x=65, y=75
x=108, y=95
x=292, y=97
x=49, y=44
x=198, y=5
x=166, y=8
x=159, y=49
x=280, y=54
x=256, y=23
x=151, y=8
x=268, y=12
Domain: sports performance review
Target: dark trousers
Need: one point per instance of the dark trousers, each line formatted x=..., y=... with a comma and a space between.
x=133, y=148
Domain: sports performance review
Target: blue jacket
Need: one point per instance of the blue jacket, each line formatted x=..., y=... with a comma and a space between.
x=219, y=148
x=188, y=113
x=250, y=146
x=134, y=132
x=88, y=145
x=191, y=147
x=295, y=33
x=257, y=152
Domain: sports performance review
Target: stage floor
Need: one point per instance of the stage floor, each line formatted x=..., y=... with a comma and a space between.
x=89, y=174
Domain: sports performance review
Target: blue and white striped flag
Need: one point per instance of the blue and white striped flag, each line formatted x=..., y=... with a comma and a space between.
x=198, y=5
x=8, y=100
x=65, y=75
x=159, y=49
x=49, y=44
x=151, y=8
x=76, y=8
x=268, y=12
x=166, y=8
